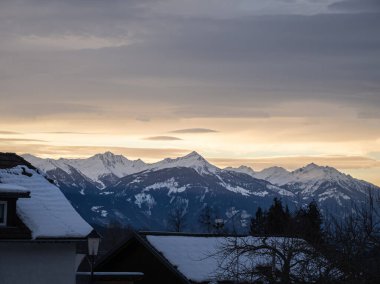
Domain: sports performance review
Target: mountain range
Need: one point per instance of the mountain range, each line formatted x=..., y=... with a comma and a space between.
x=108, y=188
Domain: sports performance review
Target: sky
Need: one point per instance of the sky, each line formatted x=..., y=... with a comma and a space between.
x=254, y=82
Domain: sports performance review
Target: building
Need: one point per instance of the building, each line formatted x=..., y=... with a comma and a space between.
x=39, y=229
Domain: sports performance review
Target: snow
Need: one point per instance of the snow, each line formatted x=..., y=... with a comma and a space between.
x=143, y=198
x=171, y=184
x=261, y=193
x=106, y=193
x=310, y=179
x=333, y=194
x=96, y=208
x=242, y=169
x=280, y=190
x=308, y=175
x=236, y=189
x=192, y=160
x=12, y=188
x=199, y=258
x=48, y=214
x=94, y=167
x=275, y=175
x=191, y=255
x=108, y=163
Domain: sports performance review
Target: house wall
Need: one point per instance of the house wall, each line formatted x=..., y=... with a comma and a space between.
x=42, y=263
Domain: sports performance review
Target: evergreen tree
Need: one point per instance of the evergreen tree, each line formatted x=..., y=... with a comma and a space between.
x=278, y=220
x=308, y=223
x=313, y=231
x=258, y=224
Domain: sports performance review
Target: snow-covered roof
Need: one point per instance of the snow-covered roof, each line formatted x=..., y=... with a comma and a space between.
x=12, y=188
x=191, y=255
x=48, y=214
x=200, y=258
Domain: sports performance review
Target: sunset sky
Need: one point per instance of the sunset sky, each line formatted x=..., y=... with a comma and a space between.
x=254, y=82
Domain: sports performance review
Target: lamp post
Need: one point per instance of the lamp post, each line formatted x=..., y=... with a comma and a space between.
x=93, y=240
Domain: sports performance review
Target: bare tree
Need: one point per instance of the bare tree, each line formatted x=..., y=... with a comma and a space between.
x=273, y=260
x=211, y=221
x=206, y=218
x=354, y=242
x=177, y=216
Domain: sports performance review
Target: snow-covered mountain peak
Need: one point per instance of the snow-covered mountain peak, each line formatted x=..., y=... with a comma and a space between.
x=110, y=159
x=313, y=172
x=108, y=155
x=242, y=169
x=276, y=175
x=193, y=155
x=192, y=160
x=311, y=167
x=94, y=167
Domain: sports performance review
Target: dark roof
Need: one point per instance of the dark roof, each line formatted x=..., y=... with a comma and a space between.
x=141, y=238
x=12, y=194
x=109, y=276
x=11, y=160
x=185, y=234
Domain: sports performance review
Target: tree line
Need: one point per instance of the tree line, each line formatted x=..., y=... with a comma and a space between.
x=350, y=244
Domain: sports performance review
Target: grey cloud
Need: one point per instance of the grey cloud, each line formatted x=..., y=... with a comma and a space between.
x=194, y=130
x=356, y=6
x=162, y=138
x=33, y=109
x=70, y=16
x=369, y=115
x=194, y=64
x=236, y=110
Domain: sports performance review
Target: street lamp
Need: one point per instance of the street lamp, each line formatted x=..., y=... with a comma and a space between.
x=93, y=240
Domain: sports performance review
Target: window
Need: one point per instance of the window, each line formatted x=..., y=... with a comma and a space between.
x=3, y=213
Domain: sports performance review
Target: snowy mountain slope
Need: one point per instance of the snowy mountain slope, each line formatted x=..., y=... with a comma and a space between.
x=108, y=186
x=275, y=175
x=192, y=160
x=326, y=185
x=99, y=166
x=155, y=193
x=242, y=169
x=94, y=168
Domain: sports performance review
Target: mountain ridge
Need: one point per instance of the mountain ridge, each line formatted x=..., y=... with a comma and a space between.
x=276, y=175
x=142, y=194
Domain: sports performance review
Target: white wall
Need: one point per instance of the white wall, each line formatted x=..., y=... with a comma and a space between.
x=37, y=263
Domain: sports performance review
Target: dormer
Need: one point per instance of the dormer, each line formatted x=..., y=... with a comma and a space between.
x=11, y=227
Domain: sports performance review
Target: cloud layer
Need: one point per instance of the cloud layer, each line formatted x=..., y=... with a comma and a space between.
x=264, y=77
